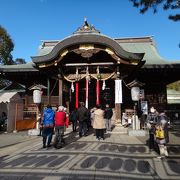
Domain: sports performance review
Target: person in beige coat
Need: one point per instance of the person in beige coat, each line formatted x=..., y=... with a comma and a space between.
x=99, y=123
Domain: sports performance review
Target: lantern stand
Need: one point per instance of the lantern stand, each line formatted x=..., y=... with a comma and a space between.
x=135, y=95
x=37, y=96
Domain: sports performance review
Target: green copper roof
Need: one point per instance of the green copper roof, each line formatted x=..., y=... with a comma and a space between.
x=148, y=47
x=44, y=51
x=151, y=56
x=135, y=45
x=129, y=44
x=19, y=67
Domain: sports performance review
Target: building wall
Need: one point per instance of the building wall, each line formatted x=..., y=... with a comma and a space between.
x=11, y=126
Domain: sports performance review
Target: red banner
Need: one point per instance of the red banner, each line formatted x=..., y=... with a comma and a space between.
x=97, y=92
x=77, y=95
x=87, y=92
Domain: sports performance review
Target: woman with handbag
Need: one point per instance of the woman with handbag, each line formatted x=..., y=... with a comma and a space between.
x=162, y=135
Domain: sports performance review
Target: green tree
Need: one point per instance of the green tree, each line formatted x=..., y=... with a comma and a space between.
x=6, y=47
x=19, y=61
x=144, y=5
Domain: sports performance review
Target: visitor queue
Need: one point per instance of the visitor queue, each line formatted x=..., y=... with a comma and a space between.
x=57, y=121
x=100, y=120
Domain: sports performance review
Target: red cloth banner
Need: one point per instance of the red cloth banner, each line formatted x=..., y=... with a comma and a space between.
x=97, y=92
x=87, y=92
x=77, y=95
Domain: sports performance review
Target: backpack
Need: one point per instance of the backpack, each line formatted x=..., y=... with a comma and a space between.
x=73, y=116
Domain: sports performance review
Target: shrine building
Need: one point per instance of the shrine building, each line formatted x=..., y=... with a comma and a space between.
x=94, y=68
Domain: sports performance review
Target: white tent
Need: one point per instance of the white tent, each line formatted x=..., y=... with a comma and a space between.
x=6, y=96
x=8, y=101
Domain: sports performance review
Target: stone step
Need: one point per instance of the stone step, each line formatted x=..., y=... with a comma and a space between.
x=132, y=132
x=119, y=129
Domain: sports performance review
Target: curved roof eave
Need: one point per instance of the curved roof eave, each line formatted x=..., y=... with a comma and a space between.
x=88, y=38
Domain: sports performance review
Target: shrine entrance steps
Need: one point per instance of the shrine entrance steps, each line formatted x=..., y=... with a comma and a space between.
x=119, y=129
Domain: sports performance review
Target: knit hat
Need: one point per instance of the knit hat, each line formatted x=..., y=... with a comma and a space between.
x=60, y=108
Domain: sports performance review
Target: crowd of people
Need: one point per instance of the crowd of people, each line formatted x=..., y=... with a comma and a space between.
x=82, y=119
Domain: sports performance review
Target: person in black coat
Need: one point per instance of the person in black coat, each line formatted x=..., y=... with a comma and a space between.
x=152, y=120
x=108, y=113
x=82, y=117
x=73, y=119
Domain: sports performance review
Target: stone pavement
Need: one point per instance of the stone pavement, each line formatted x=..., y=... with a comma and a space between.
x=119, y=156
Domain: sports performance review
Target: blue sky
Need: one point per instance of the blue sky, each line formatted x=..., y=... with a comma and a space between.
x=30, y=21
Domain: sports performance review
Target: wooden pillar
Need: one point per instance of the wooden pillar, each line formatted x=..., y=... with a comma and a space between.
x=26, y=101
x=60, y=92
x=118, y=113
x=118, y=97
x=48, y=91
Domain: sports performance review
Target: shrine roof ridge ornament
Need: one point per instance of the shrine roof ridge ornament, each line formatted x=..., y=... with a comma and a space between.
x=87, y=34
x=86, y=28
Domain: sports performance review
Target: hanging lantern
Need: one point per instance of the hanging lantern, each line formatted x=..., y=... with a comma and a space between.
x=37, y=96
x=135, y=93
x=37, y=92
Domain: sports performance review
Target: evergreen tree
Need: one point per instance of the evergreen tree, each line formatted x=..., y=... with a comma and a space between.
x=144, y=5
x=19, y=61
x=6, y=47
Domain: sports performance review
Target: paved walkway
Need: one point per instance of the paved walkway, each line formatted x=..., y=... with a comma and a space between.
x=119, y=156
